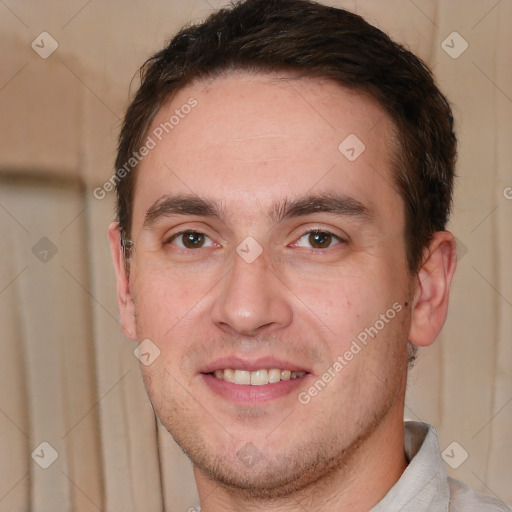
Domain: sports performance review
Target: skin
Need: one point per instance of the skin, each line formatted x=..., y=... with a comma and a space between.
x=252, y=142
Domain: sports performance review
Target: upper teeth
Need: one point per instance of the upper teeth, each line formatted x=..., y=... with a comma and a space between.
x=258, y=377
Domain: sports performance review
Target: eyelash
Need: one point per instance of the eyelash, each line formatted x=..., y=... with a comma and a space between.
x=323, y=232
x=310, y=231
x=185, y=231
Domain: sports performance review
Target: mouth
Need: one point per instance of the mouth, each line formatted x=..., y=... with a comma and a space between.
x=249, y=383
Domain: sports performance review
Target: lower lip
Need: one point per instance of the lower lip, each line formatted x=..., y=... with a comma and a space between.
x=241, y=394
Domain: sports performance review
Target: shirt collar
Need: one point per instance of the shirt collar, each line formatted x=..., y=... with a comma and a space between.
x=423, y=485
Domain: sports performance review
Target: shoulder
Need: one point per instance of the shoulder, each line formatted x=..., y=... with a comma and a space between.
x=465, y=499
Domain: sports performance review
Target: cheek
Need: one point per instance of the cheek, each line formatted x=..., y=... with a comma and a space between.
x=363, y=304
x=339, y=298
x=173, y=314
x=161, y=302
x=158, y=381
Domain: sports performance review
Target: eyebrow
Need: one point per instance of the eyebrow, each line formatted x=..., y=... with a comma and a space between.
x=182, y=205
x=337, y=204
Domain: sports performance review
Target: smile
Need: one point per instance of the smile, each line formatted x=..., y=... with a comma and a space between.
x=257, y=377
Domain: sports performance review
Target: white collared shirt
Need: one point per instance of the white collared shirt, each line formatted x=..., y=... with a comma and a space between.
x=425, y=485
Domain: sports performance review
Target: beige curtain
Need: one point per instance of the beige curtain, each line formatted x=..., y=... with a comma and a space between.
x=71, y=396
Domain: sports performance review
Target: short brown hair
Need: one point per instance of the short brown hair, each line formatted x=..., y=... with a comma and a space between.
x=313, y=40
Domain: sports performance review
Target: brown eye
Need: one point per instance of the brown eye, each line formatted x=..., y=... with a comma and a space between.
x=191, y=240
x=316, y=239
x=320, y=239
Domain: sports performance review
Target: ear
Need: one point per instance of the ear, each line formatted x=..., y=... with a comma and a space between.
x=430, y=304
x=124, y=299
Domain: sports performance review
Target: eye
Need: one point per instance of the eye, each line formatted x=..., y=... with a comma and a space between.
x=191, y=240
x=317, y=239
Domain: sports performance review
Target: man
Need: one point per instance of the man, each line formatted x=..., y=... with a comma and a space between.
x=285, y=177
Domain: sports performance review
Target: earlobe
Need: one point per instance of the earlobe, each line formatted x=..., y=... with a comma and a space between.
x=430, y=304
x=124, y=299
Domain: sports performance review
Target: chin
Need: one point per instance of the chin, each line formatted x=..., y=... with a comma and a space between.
x=270, y=478
x=272, y=474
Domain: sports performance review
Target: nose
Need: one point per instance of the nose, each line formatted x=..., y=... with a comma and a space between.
x=252, y=299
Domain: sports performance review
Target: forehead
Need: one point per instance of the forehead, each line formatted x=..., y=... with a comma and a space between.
x=251, y=139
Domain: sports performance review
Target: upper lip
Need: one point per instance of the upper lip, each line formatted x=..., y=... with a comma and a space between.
x=251, y=364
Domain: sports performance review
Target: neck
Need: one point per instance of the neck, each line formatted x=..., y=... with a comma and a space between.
x=354, y=485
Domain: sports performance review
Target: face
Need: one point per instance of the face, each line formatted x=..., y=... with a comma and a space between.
x=269, y=270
